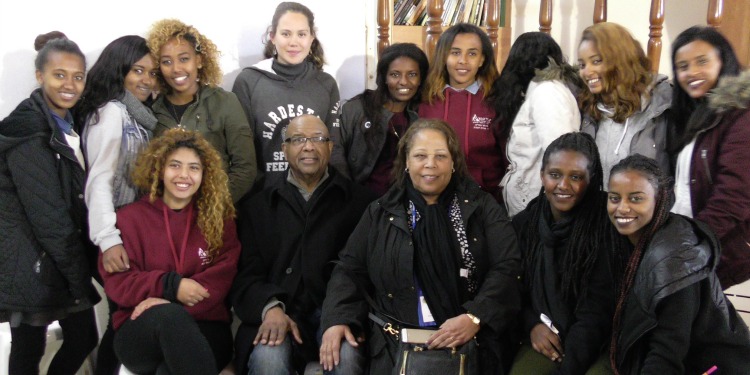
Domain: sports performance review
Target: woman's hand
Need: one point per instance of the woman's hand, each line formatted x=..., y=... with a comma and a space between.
x=274, y=328
x=191, y=292
x=145, y=305
x=453, y=333
x=546, y=342
x=330, y=346
x=115, y=259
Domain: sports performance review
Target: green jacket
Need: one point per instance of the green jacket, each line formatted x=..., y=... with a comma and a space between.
x=218, y=116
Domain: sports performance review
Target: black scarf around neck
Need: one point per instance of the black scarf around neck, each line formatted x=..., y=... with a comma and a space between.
x=437, y=257
x=546, y=295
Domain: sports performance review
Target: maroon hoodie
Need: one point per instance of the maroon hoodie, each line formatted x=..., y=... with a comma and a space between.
x=472, y=119
x=143, y=229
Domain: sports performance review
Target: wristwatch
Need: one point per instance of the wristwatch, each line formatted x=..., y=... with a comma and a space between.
x=473, y=318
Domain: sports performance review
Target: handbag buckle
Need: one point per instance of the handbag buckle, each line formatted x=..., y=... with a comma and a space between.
x=388, y=328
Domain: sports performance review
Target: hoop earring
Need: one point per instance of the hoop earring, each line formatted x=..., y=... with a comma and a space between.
x=406, y=170
x=453, y=170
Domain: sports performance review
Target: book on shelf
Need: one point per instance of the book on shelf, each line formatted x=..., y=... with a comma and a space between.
x=418, y=14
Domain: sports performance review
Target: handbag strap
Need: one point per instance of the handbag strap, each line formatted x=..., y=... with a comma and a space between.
x=389, y=324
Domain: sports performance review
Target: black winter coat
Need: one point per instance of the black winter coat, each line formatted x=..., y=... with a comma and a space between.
x=46, y=258
x=287, y=251
x=676, y=318
x=380, y=252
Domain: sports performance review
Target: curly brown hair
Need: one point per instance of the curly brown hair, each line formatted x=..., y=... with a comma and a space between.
x=406, y=141
x=165, y=30
x=627, y=75
x=213, y=200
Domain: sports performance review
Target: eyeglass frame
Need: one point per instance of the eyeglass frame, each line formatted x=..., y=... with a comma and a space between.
x=303, y=140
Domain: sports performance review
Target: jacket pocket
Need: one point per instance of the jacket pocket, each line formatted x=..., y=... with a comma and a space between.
x=47, y=272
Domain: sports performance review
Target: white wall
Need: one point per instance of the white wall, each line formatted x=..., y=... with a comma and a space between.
x=345, y=27
x=235, y=26
x=570, y=17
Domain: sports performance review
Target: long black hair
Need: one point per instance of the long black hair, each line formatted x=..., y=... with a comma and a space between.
x=591, y=229
x=531, y=51
x=683, y=105
x=106, y=79
x=374, y=100
x=661, y=183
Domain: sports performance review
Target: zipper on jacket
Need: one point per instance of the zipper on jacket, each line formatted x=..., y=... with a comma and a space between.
x=403, y=364
x=704, y=157
x=463, y=362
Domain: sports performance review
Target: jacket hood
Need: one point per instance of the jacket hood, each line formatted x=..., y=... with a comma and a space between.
x=561, y=72
x=731, y=93
x=681, y=253
x=29, y=119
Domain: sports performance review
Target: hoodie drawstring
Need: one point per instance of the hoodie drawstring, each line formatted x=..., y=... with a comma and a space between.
x=624, y=131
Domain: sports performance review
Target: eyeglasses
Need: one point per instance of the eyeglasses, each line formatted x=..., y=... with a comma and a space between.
x=299, y=141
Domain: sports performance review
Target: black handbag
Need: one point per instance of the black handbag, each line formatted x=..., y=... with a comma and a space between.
x=416, y=359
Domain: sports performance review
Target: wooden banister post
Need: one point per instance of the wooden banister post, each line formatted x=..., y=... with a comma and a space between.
x=600, y=11
x=434, y=26
x=493, y=23
x=654, y=36
x=715, y=13
x=545, y=16
x=384, y=25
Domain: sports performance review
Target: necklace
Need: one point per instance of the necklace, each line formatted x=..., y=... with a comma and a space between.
x=393, y=127
x=173, y=111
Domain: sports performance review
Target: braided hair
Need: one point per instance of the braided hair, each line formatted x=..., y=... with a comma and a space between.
x=648, y=169
x=590, y=230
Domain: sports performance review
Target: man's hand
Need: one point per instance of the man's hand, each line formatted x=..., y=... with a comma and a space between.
x=275, y=326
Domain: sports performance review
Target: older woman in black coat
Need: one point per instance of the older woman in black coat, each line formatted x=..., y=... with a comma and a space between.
x=434, y=251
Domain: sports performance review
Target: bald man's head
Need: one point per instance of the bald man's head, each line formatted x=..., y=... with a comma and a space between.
x=307, y=148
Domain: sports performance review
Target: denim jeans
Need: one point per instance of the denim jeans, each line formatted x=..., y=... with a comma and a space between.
x=273, y=360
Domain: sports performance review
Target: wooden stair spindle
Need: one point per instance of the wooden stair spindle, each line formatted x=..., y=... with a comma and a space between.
x=384, y=25
x=715, y=13
x=545, y=16
x=656, y=20
x=600, y=11
x=493, y=23
x=434, y=26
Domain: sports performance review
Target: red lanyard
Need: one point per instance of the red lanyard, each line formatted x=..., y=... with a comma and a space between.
x=179, y=258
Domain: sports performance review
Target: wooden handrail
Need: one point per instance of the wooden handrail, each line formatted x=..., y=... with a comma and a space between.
x=493, y=23
x=656, y=20
x=600, y=11
x=715, y=13
x=545, y=16
x=434, y=26
x=384, y=25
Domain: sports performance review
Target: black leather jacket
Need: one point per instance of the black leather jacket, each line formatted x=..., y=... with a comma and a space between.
x=676, y=318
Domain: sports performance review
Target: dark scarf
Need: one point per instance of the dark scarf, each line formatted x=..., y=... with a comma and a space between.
x=437, y=255
x=546, y=295
x=702, y=117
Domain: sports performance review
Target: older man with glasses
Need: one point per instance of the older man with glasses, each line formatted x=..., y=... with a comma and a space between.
x=290, y=233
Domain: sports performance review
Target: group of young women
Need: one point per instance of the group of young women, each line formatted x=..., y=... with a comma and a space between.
x=97, y=169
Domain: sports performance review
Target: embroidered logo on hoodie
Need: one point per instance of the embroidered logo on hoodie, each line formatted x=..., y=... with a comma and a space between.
x=203, y=255
x=481, y=123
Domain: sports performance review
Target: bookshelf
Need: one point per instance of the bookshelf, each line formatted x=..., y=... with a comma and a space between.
x=496, y=14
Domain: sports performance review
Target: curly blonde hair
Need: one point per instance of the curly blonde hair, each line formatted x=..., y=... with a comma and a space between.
x=213, y=200
x=165, y=30
x=627, y=75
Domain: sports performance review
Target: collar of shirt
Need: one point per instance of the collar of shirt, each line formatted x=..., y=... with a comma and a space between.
x=65, y=124
x=305, y=194
x=473, y=88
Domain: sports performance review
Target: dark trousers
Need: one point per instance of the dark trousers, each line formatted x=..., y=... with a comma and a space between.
x=106, y=360
x=28, y=343
x=165, y=339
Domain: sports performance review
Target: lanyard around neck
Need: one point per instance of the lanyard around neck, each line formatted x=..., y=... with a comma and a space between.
x=179, y=258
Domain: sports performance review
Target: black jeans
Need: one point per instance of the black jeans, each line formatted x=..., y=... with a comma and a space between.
x=165, y=339
x=28, y=343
